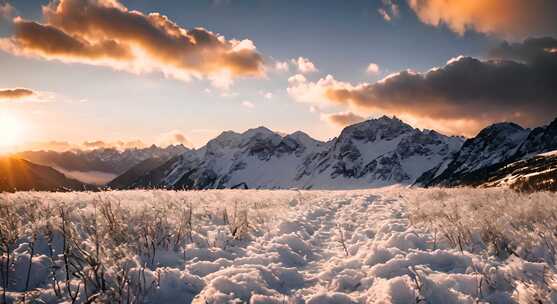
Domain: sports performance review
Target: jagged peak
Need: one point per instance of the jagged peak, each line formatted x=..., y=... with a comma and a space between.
x=382, y=121
x=501, y=129
x=259, y=130
x=500, y=126
x=299, y=134
x=224, y=136
x=302, y=138
x=372, y=127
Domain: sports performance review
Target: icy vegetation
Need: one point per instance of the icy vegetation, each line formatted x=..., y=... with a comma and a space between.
x=392, y=245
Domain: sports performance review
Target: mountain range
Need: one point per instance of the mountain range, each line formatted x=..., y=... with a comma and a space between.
x=98, y=166
x=503, y=154
x=377, y=152
x=373, y=153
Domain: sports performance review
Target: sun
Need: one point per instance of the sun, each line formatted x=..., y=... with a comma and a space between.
x=11, y=132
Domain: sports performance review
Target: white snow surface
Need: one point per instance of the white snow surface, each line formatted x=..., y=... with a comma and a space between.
x=264, y=246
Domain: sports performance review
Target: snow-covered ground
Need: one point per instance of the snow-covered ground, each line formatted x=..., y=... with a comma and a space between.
x=392, y=245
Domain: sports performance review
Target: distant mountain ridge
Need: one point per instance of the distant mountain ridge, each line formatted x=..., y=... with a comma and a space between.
x=111, y=161
x=376, y=152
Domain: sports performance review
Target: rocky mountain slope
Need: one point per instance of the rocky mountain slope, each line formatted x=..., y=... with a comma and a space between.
x=373, y=153
x=534, y=173
x=502, y=154
x=21, y=175
x=135, y=172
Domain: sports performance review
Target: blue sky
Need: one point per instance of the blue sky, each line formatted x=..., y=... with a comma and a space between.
x=83, y=102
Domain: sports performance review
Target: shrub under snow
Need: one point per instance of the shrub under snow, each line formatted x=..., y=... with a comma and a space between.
x=371, y=246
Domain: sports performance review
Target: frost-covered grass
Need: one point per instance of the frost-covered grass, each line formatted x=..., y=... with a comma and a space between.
x=387, y=246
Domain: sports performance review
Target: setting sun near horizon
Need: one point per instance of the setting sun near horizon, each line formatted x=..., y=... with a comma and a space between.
x=12, y=131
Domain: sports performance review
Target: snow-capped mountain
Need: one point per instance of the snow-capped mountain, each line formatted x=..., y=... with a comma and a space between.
x=501, y=154
x=256, y=158
x=376, y=152
x=107, y=160
x=540, y=140
x=493, y=145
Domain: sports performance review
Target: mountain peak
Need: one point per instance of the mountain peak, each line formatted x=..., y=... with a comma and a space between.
x=259, y=130
x=384, y=121
x=383, y=127
x=502, y=127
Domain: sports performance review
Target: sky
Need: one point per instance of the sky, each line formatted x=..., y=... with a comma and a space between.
x=87, y=73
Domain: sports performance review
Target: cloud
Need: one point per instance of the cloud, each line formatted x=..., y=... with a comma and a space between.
x=174, y=137
x=302, y=90
x=248, y=104
x=105, y=32
x=304, y=65
x=282, y=66
x=31, y=96
x=298, y=78
x=466, y=92
x=515, y=19
x=19, y=93
x=343, y=119
x=538, y=50
x=120, y=145
x=301, y=64
x=373, y=69
x=97, y=144
x=389, y=10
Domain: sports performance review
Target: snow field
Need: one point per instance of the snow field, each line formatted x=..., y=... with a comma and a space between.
x=391, y=245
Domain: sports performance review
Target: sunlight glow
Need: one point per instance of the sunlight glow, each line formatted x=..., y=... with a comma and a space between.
x=11, y=132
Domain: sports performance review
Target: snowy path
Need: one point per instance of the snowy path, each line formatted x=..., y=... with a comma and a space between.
x=315, y=235
x=388, y=260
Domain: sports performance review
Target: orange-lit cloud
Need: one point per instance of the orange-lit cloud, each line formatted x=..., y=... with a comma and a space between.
x=343, y=119
x=464, y=95
x=304, y=65
x=7, y=94
x=506, y=18
x=104, y=32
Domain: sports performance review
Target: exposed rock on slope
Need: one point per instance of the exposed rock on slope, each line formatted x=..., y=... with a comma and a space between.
x=376, y=152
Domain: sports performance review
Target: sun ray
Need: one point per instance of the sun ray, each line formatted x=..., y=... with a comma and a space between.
x=11, y=131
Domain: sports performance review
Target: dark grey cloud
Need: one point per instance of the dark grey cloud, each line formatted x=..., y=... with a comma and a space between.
x=534, y=51
x=518, y=84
